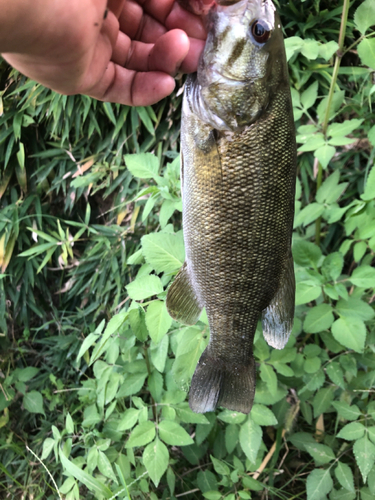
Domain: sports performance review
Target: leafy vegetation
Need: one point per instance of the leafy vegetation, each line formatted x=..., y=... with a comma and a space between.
x=94, y=372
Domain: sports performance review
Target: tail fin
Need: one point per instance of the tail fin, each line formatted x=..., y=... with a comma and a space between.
x=216, y=383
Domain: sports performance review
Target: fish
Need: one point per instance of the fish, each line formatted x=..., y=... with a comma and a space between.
x=238, y=174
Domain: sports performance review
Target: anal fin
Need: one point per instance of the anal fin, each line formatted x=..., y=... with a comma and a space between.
x=277, y=318
x=182, y=301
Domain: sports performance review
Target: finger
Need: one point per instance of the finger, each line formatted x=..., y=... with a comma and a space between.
x=128, y=87
x=138, y=25
x=190, y=23
x=190, y=63
x=116, y=6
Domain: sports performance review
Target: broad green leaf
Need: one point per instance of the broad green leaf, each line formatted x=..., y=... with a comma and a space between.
x=69, y=424
x=86, y=479
x=310, y=48
x=309, y=214
x=132, y=385
x=322, y=400
x=137, y=320
x=310, y=95
x=212, y=495
x=363, y=276
x=352, y=431
x=159, y=353
x=173, y=434
x=112, y=328
x=313, y=143
x=263, y=415
x=48, y=445
x=166, y=211
x=305, y=292
x=327, y=187
x=332, y=265
x=232, y=432
x=156, y=459
x=344, y=476
x=252, y=484
x=335, y=373
x=364, y=16
x=312, y=365
x=33, y=402
x=185, y=414
x=344, y=128
x=165, y=252
x=319, y=484
x=144, y=287
x=250, y=439
x=369, y=193
x=27, y=374
x=342, y=494
x=364, y=452
x=158, y=320
x=306, y=253
x=268, y=375
x=354, y=308
x=143, y=165
x=346, y=411
x=366, y=51
x=141, y=435
x=359, y=250
x=220, y=467
x=128, y=419
x=325, y=154
x=105, y=467
x=318, y=318
x=231, y=417
x=155, y=385
x=321, y=453
x=206, y=481
x=300, y=439
x=326, y=50
x=350, y=332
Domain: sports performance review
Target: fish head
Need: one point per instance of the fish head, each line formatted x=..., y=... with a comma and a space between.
x=243, y=61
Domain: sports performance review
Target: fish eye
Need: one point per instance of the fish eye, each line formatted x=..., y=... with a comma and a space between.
x=260, y=32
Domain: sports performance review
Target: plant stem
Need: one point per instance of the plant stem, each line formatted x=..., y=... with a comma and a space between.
x=339, y=54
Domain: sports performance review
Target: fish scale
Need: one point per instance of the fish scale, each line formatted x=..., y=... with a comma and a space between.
x=238, y=179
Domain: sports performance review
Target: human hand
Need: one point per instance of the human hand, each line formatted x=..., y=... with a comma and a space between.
x=126, y=54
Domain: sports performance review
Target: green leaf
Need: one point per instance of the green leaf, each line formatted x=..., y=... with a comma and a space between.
x=318, y=318
x=322, y=400
x=350, y=332
x=220, y=467
x=354, y=308
x=232, y=432
x=144, y=116
x=346, y=411
x=165, y=252
x=366, y=51
x=263, y=415
x=156, y=459
x=69, y=424
x=326, y=50
x=206, y=481
x=335, y=373
x=231, y=417
x=310, y=48
x=319, y=484
x=48, y=445
x=212, y=495
x=268, y=375
x=112, y=328
x=364, y=16
x=364, y=452
x=27, y=374
x=363, y=276
x=105, y=466
x=128, y=419
x=321, y=453
x=33, y=402
x=250, y=439
x=143, y=165
x=166, y=211
x=352, y=431
x=325, y=154
x=137, y=320
x=344, y=128
x=305, y=292
x=185, y=414
x=342, y=494
x=309, y=214
x=132, y=385
x=173, y=434
x=141, y=435
x=159, y=353
x=344, y=476
x=86, y=479
x=306, y=253
x=310, y=95
x=144, y=287
x=158, y=320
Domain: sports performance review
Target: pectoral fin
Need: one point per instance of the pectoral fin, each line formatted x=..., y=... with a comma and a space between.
x=182, y=301
x=277, y=319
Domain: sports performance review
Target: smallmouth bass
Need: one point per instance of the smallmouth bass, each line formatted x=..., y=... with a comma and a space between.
x=238, y=169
